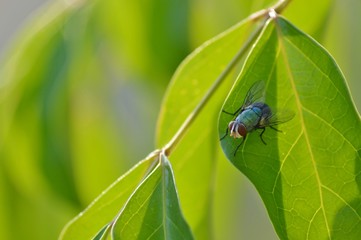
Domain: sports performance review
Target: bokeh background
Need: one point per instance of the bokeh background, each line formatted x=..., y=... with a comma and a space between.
x=81, y=84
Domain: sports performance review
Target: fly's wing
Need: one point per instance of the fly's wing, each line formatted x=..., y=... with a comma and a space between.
x=276, y=117
x=255, y=94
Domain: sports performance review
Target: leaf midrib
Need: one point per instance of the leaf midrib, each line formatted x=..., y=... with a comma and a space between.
x=330, y=126
x=165, y=197
x=143, y=203
x=304, y=130
x=338, y=90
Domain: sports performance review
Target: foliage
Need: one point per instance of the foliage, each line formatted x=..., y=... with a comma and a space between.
x=78, y=102
x=307, y=175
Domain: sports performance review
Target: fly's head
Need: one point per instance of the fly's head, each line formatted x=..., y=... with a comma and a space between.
x=237, y=129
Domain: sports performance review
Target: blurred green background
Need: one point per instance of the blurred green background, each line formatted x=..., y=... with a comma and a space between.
x=81, y=84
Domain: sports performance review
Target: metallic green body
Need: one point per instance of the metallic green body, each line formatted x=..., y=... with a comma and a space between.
x=250, y=117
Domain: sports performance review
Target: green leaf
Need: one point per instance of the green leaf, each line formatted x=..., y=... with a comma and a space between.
x=307, y=176
x=104, y=233
x=105, y=208
x=153, y=211
x=194, y=159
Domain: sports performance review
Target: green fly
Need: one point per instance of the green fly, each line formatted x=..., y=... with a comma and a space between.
x=255, y=114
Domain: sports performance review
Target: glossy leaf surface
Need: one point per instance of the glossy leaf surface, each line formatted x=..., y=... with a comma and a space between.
x=308, y=176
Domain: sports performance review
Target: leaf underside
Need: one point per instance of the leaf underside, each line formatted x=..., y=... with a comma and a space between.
x=308, y=175
x=153, y=211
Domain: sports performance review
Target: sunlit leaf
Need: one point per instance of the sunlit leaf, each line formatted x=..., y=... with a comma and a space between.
x=195, y=157
x=105, y=208
x=308, y=174
x=153, y=211
x=71, y=106
x=104, y=233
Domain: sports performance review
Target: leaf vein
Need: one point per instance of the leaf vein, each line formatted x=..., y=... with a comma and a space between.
x=284, y=160
x=315, y=65
x=309, y=225
x=299, y=106
x=343, y=200
x=140, y=206
x=329, y=125
x=155, y=230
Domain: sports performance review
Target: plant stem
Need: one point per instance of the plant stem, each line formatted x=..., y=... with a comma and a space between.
x=278, y=7
x=192, y=116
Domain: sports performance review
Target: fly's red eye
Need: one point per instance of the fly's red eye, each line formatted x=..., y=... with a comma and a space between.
x=242, y=130
x=237, y=129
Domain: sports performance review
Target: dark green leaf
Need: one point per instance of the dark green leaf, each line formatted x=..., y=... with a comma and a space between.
x=307, y=175
x=153, y=210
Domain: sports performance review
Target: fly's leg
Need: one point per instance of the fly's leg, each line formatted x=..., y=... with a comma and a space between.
x=264, y=129
x=235, y=151
x=233, y=114
x=275, y=129
x=229, y=113
x=224, y=135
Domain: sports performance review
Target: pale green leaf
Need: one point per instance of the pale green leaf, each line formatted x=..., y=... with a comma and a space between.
x=308, y=175
x=105, y=208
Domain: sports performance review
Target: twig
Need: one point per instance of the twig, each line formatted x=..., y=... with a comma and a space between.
x=278, y=7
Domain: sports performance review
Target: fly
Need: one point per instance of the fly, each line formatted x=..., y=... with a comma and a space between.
x=255, y=114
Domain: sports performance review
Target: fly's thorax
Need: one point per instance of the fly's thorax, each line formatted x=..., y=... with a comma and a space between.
x=237, y=129
x=260, y=105
x=249, y=117
x=266, y=110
